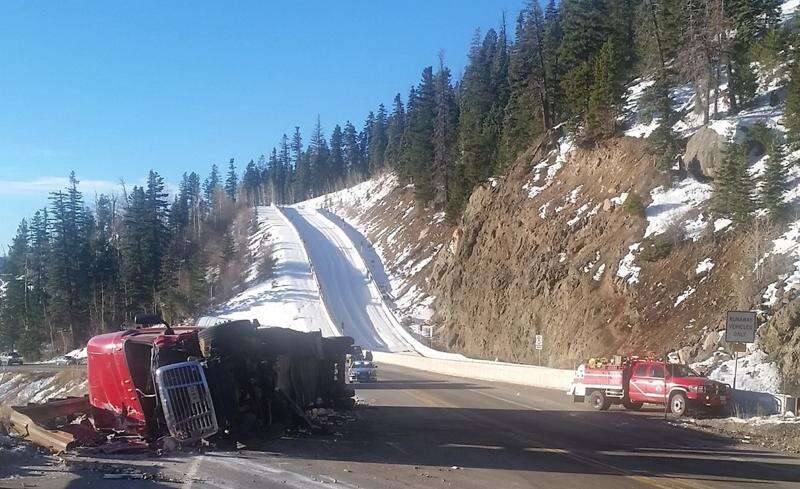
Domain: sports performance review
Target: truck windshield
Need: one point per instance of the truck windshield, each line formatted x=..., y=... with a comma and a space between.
x=682, y=371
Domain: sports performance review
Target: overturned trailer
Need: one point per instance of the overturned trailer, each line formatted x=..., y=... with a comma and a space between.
x=231, y=378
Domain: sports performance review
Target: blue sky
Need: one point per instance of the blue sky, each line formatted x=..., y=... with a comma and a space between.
x=112, y=89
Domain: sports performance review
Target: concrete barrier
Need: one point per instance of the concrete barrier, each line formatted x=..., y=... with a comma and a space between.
x=512, y=373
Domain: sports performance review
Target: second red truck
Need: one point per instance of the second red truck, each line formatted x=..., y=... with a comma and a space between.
x=635, y=381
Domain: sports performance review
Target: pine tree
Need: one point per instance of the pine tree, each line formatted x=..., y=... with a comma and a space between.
x=378, y=141
x=733, y=185
x=364, y=139
x=70, y=261
x=284, y=175
x=551, y=44
x=231, y=182
x=663, y=140
x=352, y=153
x=228, y=247
x=775, y=180
x=105, y=263
x=338, y=168
x=481, y=108
x=605, y=94
x=445, y=133
x=743, y=81
x=419, y=152
x=586, y=27
x=319, y=167
x=251, y=183
x=577, y=85
x=302, y=175
x=528, y=111
x=791, y=115
x=211, y=184
x=14, y=313
x=41, y=326
x=752, y=19
x=394, y=133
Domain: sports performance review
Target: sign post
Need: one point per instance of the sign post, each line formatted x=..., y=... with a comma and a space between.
x=539, y=343
x=740, y=329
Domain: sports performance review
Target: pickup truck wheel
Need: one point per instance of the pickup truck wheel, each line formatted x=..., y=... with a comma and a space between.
x=632, y=406
x=599, y=401
x=677, y=404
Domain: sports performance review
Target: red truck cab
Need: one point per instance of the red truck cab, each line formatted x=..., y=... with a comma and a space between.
x=121, y=390
x=635, y=382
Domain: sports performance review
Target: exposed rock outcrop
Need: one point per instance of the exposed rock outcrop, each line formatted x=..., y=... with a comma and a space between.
x=704, y=151
x=539, y=254
x=780, y=338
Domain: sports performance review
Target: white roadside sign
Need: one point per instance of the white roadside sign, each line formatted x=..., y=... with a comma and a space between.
x=539, y=342
x=740, y=327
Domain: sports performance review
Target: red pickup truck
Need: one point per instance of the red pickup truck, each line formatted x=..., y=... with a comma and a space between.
x=634, y=382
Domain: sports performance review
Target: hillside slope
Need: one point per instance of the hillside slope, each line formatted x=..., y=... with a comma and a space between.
x=598, y=251
x=602, y=254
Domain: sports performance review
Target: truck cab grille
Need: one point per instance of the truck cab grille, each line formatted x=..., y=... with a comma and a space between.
x=186, y=400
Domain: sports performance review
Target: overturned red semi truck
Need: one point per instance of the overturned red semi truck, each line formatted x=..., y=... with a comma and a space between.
x=191, y=383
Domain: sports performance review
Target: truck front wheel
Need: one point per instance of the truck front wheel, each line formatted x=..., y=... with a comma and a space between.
x=599, y=401
x=677, y=404
x=632, y=406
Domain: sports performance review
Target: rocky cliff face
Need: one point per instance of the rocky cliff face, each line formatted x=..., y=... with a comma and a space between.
x=557, y=248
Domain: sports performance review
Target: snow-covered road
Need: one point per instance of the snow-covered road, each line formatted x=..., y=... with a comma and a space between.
x=353, y=301
x=290, y=298
x=352, y=297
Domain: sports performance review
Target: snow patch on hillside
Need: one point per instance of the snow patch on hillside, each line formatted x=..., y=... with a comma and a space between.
x=290, y=297
x=364, y=195
x=684, y=295
x=787, y=244
x=628, y=270
x=544, y=173
x=704, y=267
x=754, y=373
x=789, y=9
x=356, y=206
x=671, y=205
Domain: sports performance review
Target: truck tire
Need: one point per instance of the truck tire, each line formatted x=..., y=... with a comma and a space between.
x=599, y=401
x=632, y=406
x=678, y=404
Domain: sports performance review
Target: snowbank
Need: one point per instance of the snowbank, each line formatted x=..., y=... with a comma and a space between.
x=290, y=297
x=755, y=372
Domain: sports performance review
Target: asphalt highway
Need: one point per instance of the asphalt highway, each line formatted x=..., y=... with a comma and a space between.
x=424, y=430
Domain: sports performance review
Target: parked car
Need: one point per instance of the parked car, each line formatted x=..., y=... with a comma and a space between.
x=362, y=371
x=11, y=358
